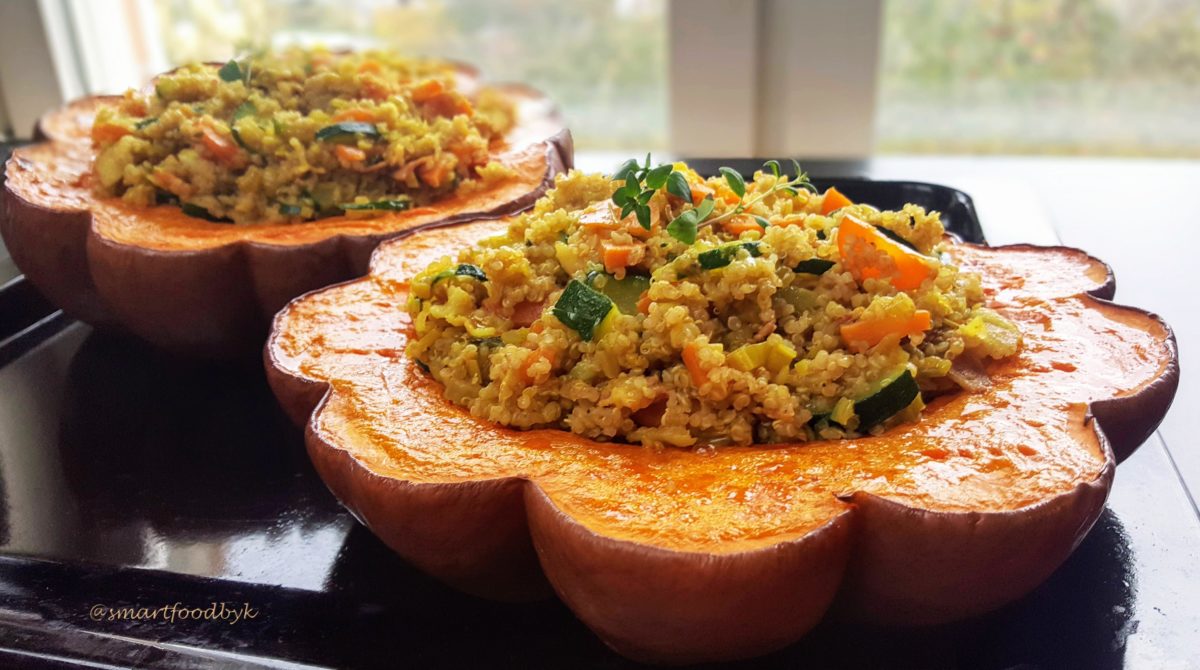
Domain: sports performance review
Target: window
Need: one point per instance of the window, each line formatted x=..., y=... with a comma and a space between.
x=1094, y=77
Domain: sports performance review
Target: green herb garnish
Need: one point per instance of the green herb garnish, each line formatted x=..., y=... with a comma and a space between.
x=640, y=183
x=230, y=71
x=684, y=227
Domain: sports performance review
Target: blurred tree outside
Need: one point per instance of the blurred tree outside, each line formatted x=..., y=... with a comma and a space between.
x=1088, y=77
x=602, y=61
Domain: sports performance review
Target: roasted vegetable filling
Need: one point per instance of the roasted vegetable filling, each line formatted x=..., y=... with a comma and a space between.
x=298, y=135
x=661, y=308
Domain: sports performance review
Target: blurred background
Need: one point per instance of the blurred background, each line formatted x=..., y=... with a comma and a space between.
x=714, y=77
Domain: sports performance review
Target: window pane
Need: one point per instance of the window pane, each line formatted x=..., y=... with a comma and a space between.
x=602, y=61
x=1100, y=77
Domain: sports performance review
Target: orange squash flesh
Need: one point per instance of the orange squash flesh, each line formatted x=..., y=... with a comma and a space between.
x=700, y=555
x=205, y=288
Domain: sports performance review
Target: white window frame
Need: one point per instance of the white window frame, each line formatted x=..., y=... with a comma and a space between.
x=805, y=86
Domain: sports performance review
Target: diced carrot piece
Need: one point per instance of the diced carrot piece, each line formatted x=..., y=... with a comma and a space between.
x=349, y=156
x=375, y=88
x=534, y=357
x=427, y=90
x=873, y=331
x=218, y=146
x=740, y=224
x=700, y=191
x=643, y=303
x=617, y=256
x=861, y=246
x=600, y=220
x=354, y=114
x=652, y=414
x=171, y=183
x=833, y=200
x=435, y=173
x=107, y=133
x=691, y=360
x=525, y=313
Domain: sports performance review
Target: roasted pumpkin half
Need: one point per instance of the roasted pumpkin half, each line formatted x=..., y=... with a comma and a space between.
x=209, y=288
x=687, y=555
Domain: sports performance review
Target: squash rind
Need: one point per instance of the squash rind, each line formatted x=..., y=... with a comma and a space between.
x=889, y=561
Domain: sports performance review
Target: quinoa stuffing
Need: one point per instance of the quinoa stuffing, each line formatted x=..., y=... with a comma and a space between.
x=660, y=308
x=297, y=135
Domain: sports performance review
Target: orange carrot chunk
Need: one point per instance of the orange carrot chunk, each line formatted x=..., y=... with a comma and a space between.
x=869, y=254
x=691, y=360
x=218, y=146
x=741, y=223
x=873, y=331
x=349, y=156
x=618, y=256
x=354, y=115
x=643, y=303
x=833, y=200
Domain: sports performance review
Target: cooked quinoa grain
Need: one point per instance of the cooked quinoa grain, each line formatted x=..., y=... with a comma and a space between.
x=816, y=326
x=298, y=135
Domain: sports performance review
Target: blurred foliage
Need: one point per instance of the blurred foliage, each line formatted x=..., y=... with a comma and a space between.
x=1115, y=77
x=602, y=61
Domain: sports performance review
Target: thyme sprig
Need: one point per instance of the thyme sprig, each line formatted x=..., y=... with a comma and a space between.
x=641, y=182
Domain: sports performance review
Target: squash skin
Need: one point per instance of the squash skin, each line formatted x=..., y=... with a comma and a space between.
x=215, y=300
x=879, y=559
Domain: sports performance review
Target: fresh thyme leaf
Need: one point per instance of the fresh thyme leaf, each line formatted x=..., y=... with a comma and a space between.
x=657, y=178
x=677, y=185
x=761, y=221
x=735, y=181
x=683, y=228
x=627, y=209
x=773, y=166
x=644, y=197
x=230, y=71
x=626, y=171
x=643, y=215
x=705, y=208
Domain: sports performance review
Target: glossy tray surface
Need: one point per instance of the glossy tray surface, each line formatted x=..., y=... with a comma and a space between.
x=161, y=512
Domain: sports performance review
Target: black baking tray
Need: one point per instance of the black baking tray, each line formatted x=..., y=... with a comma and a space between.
x=133, y=479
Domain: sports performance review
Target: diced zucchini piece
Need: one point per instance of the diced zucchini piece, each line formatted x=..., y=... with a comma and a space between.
x=568, y=258
x=390, y=205
x=895, y=394
x=814, y=266
x=462, y=270
x=842, y=412
x=724, y=255
x=801, y=298
x=624, y=292
x=775, y=354
x=582, y=308
x=347, y=131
